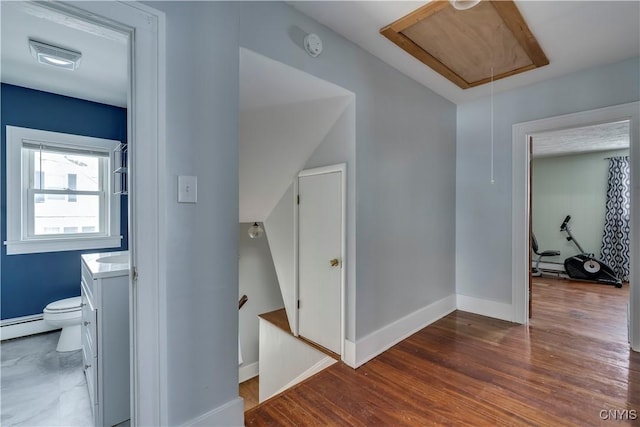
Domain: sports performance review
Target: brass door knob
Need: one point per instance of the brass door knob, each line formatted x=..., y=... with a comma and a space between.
x=334, y=262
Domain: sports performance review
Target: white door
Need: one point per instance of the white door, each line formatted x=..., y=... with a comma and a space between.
x=320, y=258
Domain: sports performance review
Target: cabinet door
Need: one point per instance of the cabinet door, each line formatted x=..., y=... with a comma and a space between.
x=89, y=353
x=89, y=318
x=90, y=374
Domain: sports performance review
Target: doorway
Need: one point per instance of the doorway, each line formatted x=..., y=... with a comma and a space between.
x=290, y=121
x=66, y=84
x=578, y=187
x=146, y=133
x=521, y=208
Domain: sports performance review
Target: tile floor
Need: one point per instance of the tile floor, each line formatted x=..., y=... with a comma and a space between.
x=41, y=387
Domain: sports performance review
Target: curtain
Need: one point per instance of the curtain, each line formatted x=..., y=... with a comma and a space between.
x=615, y=240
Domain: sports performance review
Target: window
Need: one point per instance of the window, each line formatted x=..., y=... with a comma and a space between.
x=60, y=192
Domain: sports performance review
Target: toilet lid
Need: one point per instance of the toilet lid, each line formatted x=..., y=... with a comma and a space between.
x=65, y=304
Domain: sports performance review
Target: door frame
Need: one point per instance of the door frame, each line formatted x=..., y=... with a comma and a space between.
x=146, y=111
x=341, y=167
x=521, y=208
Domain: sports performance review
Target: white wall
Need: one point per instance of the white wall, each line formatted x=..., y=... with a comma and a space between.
x=202, y=239
x=573, y=185
x=285, y=360
x=279, y=228
x=405, y=149
x=257, y=280
x=483, y=210
x=405, y=145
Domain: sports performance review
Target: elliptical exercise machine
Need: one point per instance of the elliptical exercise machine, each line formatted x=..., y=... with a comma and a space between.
x=585, y=266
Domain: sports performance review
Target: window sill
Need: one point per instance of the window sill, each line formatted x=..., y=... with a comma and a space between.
x=61, y=245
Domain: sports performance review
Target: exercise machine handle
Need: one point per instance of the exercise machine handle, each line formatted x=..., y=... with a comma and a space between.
x=565, y=222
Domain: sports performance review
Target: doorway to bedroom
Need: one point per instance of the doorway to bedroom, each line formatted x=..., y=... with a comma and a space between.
x=580, y=229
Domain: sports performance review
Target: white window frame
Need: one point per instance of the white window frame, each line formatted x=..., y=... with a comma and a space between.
x=20, y=236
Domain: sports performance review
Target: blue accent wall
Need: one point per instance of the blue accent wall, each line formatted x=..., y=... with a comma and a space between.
x=29, y=282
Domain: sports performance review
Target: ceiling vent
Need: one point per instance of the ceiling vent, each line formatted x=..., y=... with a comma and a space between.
x=54, y=55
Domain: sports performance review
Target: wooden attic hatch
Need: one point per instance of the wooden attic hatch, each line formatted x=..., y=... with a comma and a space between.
x=469, y=47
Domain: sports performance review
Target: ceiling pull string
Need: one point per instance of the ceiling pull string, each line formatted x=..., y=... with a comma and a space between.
x=493, y=63
x=492, y=177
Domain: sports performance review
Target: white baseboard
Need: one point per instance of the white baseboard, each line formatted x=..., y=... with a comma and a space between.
x=230, y=414
x=484, y=307
x=377, y=342
x=322, y=364
x=246, y=372
x=349, y=356
x=23, y=326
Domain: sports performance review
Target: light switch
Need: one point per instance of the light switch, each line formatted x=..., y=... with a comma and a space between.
x=187, y=189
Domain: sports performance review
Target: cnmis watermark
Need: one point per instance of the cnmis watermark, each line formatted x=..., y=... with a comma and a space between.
x=618, y=414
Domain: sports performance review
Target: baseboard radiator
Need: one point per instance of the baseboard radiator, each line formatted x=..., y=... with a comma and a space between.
x=22, y=326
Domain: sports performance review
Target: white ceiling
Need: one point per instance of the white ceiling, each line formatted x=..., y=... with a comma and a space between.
x=574, y=35
x=103, y=73
x=600, y=137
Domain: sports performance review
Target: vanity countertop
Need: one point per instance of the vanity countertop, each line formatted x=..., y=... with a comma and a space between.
x=107, y=264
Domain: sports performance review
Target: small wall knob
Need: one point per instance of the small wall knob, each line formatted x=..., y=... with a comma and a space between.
x=334, y=262
x=86, y=323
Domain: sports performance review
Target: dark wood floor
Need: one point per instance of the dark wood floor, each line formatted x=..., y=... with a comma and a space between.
x=590, y=309
x=571, y=362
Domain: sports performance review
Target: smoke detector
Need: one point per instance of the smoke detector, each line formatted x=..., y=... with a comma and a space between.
x=313, y=44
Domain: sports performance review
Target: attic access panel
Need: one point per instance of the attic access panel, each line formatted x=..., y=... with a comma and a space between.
x=469, y=46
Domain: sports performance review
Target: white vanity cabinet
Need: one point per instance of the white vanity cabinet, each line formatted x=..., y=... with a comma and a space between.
x=105, y=335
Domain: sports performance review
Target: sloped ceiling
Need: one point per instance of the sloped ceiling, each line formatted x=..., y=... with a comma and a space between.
x=284, y=115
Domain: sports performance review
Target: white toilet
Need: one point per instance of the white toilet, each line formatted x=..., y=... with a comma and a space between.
x=66, y=314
